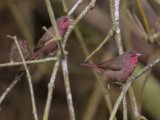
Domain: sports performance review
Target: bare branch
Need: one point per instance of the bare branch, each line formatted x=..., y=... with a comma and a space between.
x=109, y=35
x=82, y=14
x=51, y=85
x=29, y=62
x=125, y=108
x=147, y=27
x=64, y=6
x=10, y=87
x=29, y=78
x=67, y=87
x=78, y=3
x=54, y=25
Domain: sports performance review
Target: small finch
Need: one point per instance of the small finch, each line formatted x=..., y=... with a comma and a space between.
x=47, y=43
x=14, y=53
x=15, y=56
x=117, y=69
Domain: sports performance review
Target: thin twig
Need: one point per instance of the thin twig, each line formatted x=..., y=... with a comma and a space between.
x=125, y=108
x=65, y=9
x=29, y=78
x=67, y=87
x=146, y=78
x=51, y=86
x=117, y=27
x=147, y=28
x=139, y=24
x=82, y=14
x=54, y=25
x=136, y=22
x=91, y=109
x=78, y=3
x=120, y=50
x=18, y=77
x=49, y=32
x=10, y=87
x=131, y=92
x=28, y=62
x=157, y=24
x=64, y=61
x=111, y=6
x=114, y=7
x=109, y=35
x=52, y=18
x=134, y=103
x=129, y=83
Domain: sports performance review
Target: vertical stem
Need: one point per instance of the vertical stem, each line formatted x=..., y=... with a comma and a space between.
x=83, y=13
x=134, y=103
x=115, y=19
x=54, y=25
x=144, y=16
x=67, y=87
x=125, y=108
x=114, y=7
x=51, y=85
x=52, y=17
x=29, y=80
x=64, y=6
x=117, y=27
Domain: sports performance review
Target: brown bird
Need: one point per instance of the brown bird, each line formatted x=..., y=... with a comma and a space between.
x=47, y=43
x=15, y=56
x=117, y=69
x=14, y=53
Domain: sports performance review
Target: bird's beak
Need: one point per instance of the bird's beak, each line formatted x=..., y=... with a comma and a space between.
x=138, y=54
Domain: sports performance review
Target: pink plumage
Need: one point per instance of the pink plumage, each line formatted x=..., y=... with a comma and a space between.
x=46, y=44
x=119, y=68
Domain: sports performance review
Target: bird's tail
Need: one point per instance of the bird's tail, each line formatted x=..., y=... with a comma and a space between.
x=95, y=67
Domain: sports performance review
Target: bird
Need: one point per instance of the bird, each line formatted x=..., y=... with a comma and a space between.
x=47, y=43
x=15, y=57
x=14, y=53
x=118, y=69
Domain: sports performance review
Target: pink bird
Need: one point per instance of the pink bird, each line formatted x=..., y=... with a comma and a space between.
x=47, y=43
x=119, y=68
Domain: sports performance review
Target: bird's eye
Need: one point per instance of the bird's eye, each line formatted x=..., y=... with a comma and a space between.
x=132, y=55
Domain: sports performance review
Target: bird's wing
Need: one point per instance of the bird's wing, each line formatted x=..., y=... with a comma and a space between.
x=46, y=37
x=113, y=64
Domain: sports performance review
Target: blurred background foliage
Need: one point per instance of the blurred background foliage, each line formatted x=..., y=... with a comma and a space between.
x=25, y=19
